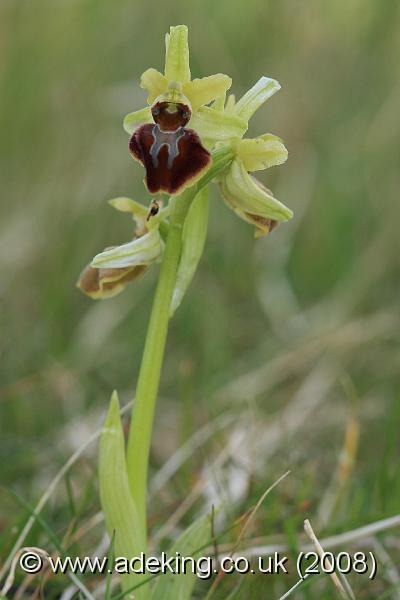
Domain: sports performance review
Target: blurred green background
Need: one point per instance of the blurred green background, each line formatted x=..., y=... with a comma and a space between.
x=295, y=334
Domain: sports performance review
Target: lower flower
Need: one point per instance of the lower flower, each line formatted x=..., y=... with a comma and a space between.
x=251, y=200
x=106, y=283
x=110, y=271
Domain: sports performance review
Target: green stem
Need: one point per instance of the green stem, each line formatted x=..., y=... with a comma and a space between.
x=150, y=369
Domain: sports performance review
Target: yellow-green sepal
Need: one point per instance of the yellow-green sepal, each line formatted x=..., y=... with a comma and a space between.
x=143, y=250
x=214, y=126
x=177, y=54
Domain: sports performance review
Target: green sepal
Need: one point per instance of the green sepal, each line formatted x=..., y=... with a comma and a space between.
x=143, y=250
x=177, y=54
x=215, y=126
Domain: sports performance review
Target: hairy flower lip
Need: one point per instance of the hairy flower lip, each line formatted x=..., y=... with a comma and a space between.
x=173, y=159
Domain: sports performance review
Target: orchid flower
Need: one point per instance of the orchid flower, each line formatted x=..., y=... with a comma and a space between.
x=111, y=270
x=172, y=136
x=242, y=192
x=197, y=93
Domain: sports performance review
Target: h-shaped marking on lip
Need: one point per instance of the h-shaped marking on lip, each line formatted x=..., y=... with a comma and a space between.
x=169, y=139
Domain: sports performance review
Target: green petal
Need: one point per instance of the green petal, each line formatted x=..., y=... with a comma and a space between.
x=136, y=118
x=141, y=251
x=177, y=54
x=243, y=192
x=128, y=205
x=262, y=152
x=154, y=82
x=255, y=97
x=203, y=91
x=193, y=239
x=215, y=126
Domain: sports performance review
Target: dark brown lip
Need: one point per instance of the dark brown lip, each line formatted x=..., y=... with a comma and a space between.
x=172, y=159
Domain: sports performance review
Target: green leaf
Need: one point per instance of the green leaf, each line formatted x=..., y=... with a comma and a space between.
x=117, y=503
x=193, y=239
x=110, y=557
x=190, y=543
